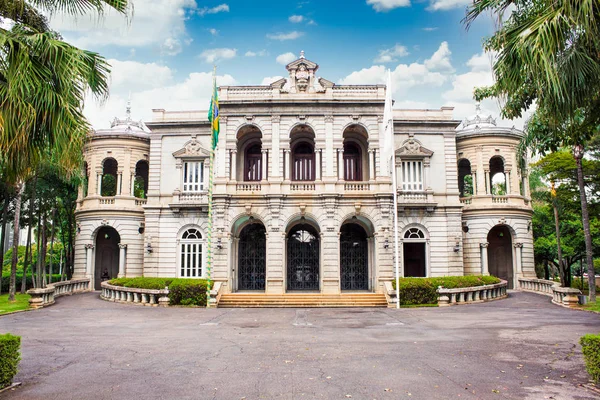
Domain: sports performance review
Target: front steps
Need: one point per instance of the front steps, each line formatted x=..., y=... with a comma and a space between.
x=301, y=300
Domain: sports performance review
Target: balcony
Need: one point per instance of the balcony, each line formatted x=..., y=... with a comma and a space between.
x=112, y=202
x=489, y=201
x=417, y=199
x=189, y=200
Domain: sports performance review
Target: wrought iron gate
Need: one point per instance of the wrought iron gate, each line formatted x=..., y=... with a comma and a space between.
x=354, y=265
x=251, y=258
x=303, y=258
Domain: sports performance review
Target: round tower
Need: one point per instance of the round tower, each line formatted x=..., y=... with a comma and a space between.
x=494, y=191
x=110, y=214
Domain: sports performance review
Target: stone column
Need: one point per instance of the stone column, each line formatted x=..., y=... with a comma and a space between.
x=119, y=182
x=99, y=186
x=233, y=172
x=488, y=183
x=519, y=254
x=89, y=250
x=275, y=153
x=318, y=164
x=475, y=183
x=205, y=174
x=132, y=186
x=508, y=182
x=341, y=164
x=122, y=260
x=329, y=150
x=426, y=173
x=371, y=161
x=264, y=165
x=484, y=258
x=286, y=164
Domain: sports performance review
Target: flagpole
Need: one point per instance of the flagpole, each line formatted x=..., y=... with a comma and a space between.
x=210, y=192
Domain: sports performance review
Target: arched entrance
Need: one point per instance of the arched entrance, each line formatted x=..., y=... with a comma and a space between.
x=252, y=257
x=303, y=246
x=415, y=253
x=500, y=261
x=107, y=255
x=354, y=258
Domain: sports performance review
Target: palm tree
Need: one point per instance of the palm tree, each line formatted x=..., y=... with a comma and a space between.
x=548, y=52
x=43, y=82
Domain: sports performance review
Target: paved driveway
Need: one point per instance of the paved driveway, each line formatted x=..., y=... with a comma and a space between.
x=85, y=348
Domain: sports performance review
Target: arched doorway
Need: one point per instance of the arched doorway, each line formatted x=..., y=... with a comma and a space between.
x=415, y=253
x=500, y=261
x=303, y=246
x=252, y=258
x=107, y=255
x=354, y=258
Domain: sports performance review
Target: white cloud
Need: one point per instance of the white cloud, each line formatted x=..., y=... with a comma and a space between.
x=286, y=58
x=390, y=55
x=212, y=55
x=296, y=19
x=440, y=60
x=387, y=5
x=481, y=62
x=442, y=5
x=151, y=86
x=270, y=79
x=171, y=46
x=430, y=28
x=154, y=22
x=285, y=36
x=213, y=10
x=213, y=31
x=261, y=53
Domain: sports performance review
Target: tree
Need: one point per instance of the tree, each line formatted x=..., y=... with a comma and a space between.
x=548, y=52
x=43, y=82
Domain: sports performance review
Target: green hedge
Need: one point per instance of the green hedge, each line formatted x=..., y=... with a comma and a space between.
x=9, y=358
x=185, y=292
x=6, y=281
x=415, y=291
x=590, y=346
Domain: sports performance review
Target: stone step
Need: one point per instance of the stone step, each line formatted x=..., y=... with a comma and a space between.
x=254, y=300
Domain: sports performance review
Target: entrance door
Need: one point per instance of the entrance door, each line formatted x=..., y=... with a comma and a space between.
x=251, y=258
x=107, y=256
x=303, y=258
x=500, y=262
x=354, y=265
x=414, y=260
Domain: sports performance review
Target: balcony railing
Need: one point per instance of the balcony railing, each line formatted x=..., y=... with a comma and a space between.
x=493, y=200
x=357, y=186
x=248, y=187
x=302, y=187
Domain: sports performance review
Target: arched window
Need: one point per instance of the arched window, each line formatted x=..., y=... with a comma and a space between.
x=253, y=163
x=109, y=177
x=352, y=162
x=191, y=246
x=465, y=178
x=497, y=176
x=414, y=233
x=303, y=162
x=140, y=183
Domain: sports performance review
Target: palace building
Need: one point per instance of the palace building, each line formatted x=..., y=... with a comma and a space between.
x=302, y=199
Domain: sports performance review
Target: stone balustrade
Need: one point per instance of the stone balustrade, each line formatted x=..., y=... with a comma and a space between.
x=43, y=297
x=357, y=186
x=567, y=297
x=476, y=294
x=248, y=187
x=144, y=297
x=302, y=187
x=215, y=294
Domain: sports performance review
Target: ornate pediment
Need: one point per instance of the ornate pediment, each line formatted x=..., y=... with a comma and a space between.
x=279, y=84
x=192, y=149
x=413, y=148
x=302, y=75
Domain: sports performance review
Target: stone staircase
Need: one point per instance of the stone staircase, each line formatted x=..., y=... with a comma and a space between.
x=302, y=300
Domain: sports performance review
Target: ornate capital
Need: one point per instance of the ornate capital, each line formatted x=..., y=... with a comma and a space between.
x=275, y=119
x=518, y=245
x=89, y=246
x=122, y=246
x=484, y=245
x=329, y=118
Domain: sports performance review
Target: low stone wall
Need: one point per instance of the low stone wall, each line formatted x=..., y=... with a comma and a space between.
x=475, y=294
x=567, y=297
x=144, y=297
x=45, y=297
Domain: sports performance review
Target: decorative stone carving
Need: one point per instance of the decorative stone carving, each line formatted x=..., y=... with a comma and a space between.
x=412, y=147
x=484, y=245
x=192, y=149
x=502, y=221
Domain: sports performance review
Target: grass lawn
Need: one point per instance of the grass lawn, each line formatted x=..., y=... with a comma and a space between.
x=593, y=306
x=21, y=303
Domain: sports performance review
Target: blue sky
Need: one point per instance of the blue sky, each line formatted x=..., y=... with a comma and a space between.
x=163, y=57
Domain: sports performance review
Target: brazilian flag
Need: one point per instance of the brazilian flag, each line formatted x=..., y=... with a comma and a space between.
x=213, y=115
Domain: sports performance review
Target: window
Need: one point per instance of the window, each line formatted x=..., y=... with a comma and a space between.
x=303, y=165
x=414, y=233
x=352, y=162
x=193, y=176
x=412, y=175
x=191, y=254
x=253, y=163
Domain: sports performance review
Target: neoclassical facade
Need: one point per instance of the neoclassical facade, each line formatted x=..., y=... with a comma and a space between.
x=302, y=199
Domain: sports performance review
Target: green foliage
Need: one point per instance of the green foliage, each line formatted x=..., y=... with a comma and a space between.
x=21, y=258
x=9, y=358
x=590, y=347
x=186, y=292
x=138, y=188
x=19, y=278
x=109, y=185
x=415, y=291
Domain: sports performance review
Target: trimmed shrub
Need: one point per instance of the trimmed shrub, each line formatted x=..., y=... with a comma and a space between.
x=590, y=346
x=415, y=291
x=9, y=358
x=185, y=292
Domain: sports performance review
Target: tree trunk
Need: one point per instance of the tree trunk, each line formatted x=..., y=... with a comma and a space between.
x=28, y=249
x=585, y=216
x=561, y=264
x=546, y=271
x=3, y=235
x=52, y=245
x=44, y=247
x=12, y=289
x=37, y=281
